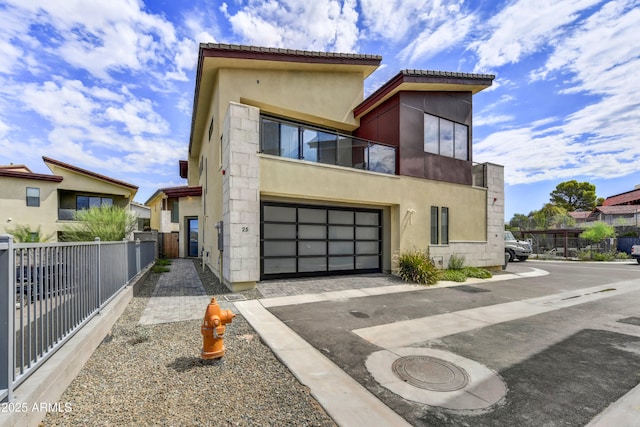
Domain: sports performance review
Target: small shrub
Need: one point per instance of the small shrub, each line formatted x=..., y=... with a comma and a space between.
x=163, y=262
x=477, y=273
x=141, y=335
x=416, y=266
x=453, y=275
x=622, y=255
x=160, y=269
x=456, y=262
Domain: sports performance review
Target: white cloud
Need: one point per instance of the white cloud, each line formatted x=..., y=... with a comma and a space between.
x=430, y=42
x=593, y=57
x=524, y=27
x=298, y=24
x=101, y=37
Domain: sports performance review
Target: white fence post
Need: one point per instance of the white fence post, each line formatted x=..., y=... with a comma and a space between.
x=7, y=316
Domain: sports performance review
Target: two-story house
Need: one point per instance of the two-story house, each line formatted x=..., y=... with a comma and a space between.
x=48, y=201
x=302, y=176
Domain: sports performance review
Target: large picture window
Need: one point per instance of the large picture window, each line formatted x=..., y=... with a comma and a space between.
x=87, y=202
x=446, y=138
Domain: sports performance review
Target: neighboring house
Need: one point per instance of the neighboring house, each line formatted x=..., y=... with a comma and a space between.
x=627, y=198
x=49, y=201
x=175, y=213
x=619, y=210
x=301, y=176
x=143, y=215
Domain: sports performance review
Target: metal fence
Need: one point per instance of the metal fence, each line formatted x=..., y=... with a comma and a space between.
x=50, y=290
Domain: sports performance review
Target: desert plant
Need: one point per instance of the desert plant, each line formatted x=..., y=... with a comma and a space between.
x=456, y=262
x=109, y=223
x=416, y=266
x=24, y=234
x=453, y=275
x=475, y=272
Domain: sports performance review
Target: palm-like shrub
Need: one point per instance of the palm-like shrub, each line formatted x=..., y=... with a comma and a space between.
x=416, y=266
x=24, y=234
x=109, y=223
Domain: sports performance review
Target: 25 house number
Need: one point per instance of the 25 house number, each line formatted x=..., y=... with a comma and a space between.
x=245, y=229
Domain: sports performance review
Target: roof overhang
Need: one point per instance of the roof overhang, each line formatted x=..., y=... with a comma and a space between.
x=424, y=81
x=30, y=175
x=213, y=57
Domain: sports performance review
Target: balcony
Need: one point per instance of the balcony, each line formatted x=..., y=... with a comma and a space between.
x=295, y=141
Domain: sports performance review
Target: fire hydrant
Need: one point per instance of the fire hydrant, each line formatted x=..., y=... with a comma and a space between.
x=213, y=330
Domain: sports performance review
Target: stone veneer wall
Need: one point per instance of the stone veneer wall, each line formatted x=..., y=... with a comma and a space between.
x=241, y=197
x=491, y=252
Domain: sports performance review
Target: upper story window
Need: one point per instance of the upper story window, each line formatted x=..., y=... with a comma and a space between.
x=33, y=196
x=87, y=202
x=296, y=141
x=445, y=137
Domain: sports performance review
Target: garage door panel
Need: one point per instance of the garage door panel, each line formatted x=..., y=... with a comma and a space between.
x=279, y=265
x=279, y=231
x=312, y=231
x=312, y=264
x=341, y=263
x=306, y=248
x=340, y=232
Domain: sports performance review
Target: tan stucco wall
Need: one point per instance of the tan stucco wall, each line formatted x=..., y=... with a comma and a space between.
x=13, y=193
x=323, y=98
x=80, y=182
x=293, y=179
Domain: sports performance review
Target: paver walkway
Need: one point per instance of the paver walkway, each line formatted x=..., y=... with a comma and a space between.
x=179, y=296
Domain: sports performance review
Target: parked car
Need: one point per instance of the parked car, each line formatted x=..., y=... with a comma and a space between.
x=635, y=252
x=514, y=248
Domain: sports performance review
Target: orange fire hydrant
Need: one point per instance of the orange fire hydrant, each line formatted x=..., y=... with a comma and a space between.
x=213, y=330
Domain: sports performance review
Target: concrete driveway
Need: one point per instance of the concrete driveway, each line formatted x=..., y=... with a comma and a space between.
x=544, y=344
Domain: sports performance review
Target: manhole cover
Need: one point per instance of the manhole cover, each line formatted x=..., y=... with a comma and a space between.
x=430, y=373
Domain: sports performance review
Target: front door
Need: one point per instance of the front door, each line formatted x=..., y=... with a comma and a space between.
x=192, y=233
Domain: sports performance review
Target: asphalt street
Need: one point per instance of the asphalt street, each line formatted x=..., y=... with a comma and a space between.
x=565, y=345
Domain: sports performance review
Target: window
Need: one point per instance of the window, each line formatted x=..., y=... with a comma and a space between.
x=175, y=215
x=434, y=225
x=446, y=138
x=444, y=226
x=33, y=196
x=211, y=128
x=87, y=202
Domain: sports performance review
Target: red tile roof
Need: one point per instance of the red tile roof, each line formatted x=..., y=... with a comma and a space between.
x=628, y=198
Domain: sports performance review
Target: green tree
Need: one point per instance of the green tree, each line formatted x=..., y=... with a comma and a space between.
x=597, y=232
x=109, y=223
x=574, y=196
x=551, y=216
x=520, y=222
x=24, y=234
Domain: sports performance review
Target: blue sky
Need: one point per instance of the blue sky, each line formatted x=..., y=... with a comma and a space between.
x=108, y=85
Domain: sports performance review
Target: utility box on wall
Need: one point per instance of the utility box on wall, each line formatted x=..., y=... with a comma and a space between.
x=219, y=227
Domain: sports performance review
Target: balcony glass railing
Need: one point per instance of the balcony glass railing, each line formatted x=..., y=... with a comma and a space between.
x=295, y=141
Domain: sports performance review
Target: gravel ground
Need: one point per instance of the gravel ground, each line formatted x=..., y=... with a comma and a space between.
x=153, y=375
